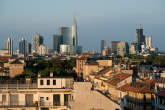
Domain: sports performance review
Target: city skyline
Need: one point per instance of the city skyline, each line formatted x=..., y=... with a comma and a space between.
x=108, y=23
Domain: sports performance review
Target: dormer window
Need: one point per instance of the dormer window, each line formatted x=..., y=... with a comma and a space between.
x=41, y=82
x=48, y=82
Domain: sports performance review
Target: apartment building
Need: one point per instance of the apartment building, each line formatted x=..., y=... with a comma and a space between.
x=43, y=93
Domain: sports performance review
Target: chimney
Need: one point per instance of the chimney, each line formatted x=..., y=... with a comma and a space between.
x=51, y=74
x=39, y=75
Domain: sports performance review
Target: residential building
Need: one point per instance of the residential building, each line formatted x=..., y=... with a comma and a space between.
x=90, y=68
x=160, y=95
x=43, y=93
x=16, y=67
x=138, y=95
x=115, y=82
x=80, y=62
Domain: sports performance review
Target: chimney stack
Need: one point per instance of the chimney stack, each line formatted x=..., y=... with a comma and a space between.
x=51, y=74
x=39, y=75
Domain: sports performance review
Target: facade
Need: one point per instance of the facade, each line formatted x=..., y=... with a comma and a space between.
x=9, y=46
x=138, y=96
x=114, y=46
x=56, y=43
x=133, y=48
x=115, y=82
x=148, y=42
x=80, y=62
x=67, y=49
x=16, y=67
x=103, y=45
x=160, y=96
x=140, y=38
x=22, y=47
x=4, y=52
x=28, y=48
x=43, y=93
x=69, y=37
x=43, y=50
x=38, y=40
x=122, y=48
x=90, y=68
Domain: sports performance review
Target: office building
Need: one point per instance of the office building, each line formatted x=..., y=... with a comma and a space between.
x=122, y=49
x=68, y=36
x=140, y=38
x=28, y=48
x=9, y=46
x=114, y=46
x=103, y=45
x=148, y=42
x=67, y=49
x=43, y=50
x=56, y=43
x=22, y=47
x=133, y=48
x=37, y=40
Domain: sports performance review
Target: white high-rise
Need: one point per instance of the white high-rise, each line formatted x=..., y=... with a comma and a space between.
x=148, y=41
x=9, y=46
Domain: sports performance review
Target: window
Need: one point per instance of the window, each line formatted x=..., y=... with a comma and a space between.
x=41, y=82
x=47, y=98
x=54, y=82
x=48, y=82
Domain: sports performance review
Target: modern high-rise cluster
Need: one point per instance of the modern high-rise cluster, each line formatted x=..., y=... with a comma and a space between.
x=142, y=45
x=66, y=42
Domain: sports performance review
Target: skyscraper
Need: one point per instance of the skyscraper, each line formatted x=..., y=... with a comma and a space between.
x=68, y=36
x=9, y=46
x=103, y=45
x=122, y=48
x=22, y=47
x=56, y=43
x=148, y=42
x=28, y=48
x=140, y=38
x=114, y=46
x=38, y=40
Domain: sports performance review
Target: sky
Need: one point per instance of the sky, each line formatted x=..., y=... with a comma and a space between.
x=96, y=19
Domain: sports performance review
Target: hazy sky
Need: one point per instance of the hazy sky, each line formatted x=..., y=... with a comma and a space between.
x=97, y=19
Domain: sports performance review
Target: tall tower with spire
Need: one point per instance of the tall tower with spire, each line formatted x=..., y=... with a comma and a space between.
x=74, y=32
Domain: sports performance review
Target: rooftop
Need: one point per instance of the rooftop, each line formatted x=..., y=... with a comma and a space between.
x=140, y=88
x=118, y=78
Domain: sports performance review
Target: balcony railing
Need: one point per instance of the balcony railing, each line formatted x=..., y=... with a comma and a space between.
x=18, y=86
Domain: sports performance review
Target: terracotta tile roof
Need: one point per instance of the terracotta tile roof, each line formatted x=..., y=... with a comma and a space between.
x=104, y=71
x=118, y=78
x=136, y=88
x=16, y=62
x=93, y=63
x=149, y=81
